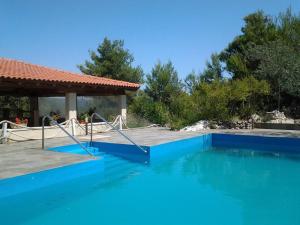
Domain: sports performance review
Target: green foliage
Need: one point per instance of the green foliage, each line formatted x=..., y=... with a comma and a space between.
x=258, y=29
x=222, y=100
x=163, y=83
x=191, y=82
x=12, y=107
x=113, y=61
x=134, y=121
x=213, y=69
x=268, y=49
x=218, y=100
x=160, y=102
x=183, y=111
x=212, y=100
x=246, y=96
x=146, y=107
x=280, y=65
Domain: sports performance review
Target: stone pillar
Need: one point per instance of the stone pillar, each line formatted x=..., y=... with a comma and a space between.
x=34, y=111
x=123, y=107
x=71, y=109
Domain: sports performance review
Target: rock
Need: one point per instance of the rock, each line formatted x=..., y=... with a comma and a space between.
x=200, y=125
x=278, y=117
x=287, y=120
x=204, y=125
x=255, y=118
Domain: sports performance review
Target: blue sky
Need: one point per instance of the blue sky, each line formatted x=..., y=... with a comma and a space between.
x=59, y=33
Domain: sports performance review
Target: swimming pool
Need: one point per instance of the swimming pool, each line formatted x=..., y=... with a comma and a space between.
x=210, y=179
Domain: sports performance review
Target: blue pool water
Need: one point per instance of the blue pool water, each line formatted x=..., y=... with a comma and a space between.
x=196, y=185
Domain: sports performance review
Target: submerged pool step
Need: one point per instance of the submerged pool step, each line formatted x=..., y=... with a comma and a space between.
x=77, y=149
x=92, y=150
x=115, y=167
x=111, y=167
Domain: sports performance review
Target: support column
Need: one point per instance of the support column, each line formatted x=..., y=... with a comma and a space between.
x=34, y=111
x=71, y=109
x=123, y=107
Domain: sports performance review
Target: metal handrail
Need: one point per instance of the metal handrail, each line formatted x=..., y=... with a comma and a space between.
x=120, y=132
x=64, y=130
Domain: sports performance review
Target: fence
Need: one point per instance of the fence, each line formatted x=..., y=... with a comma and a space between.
x=23, y=133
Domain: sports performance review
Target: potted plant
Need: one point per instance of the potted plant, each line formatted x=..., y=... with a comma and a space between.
x=55, y=116
x=83, y=118
x=20, y=121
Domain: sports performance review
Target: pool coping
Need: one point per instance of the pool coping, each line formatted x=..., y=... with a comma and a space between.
x=24, y=151
x=157, y=153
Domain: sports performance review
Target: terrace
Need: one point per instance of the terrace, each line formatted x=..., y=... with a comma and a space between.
x=28, y=157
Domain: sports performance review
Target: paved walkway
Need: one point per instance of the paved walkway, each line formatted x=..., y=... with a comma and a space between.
x=27, y=157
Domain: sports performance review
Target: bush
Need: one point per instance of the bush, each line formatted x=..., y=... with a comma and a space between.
x=144, y=106
x=212, y=100
x=183, y=111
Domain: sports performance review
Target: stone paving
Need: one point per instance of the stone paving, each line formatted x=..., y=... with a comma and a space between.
x=28, y=157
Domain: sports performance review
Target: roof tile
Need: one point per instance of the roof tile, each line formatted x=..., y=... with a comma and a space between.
x=15, y=69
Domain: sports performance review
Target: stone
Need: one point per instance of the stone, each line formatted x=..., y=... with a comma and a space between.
x=200, y=125
x=278, y=117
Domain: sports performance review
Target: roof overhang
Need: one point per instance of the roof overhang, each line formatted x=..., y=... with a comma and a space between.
x=15, y=87
x=24, y=79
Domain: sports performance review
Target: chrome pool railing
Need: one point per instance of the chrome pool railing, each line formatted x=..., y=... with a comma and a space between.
x=64, y=130
x=113, y=128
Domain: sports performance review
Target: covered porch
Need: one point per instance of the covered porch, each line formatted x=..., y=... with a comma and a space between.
x=30, y=92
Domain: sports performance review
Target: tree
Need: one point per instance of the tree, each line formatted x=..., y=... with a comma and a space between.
x=288, y=27
x=111, y=60
x=280, y=65
x=191, y=82
x=258, y=30
x=182, y=111
x=144, y=106
x=213, y=69
x=220, y=100
x=163, y=83
x=264, y=62
x=212, y=100
x=268, y=49
x=247, y=95
x=162, y=101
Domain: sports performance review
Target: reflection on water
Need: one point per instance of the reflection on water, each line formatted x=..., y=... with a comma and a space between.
x=265, y=184
x=213, y=187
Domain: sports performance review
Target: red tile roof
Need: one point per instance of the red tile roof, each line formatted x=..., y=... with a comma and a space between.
x=17, y=70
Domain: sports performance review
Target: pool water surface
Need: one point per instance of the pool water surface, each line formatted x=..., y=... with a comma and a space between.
x=211, y=186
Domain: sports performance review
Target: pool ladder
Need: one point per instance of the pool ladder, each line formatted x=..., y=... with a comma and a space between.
x=64, y=130
x=113, y=128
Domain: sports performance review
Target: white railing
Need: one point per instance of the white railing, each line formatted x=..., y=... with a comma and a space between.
x=113, y=128
x=17, y=134
x=64, y=130
x=24, y=133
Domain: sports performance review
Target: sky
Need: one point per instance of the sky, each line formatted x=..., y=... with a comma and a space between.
x=59, y=33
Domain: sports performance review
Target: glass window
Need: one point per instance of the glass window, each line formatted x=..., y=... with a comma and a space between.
x=53, y=106
x=106, y=106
